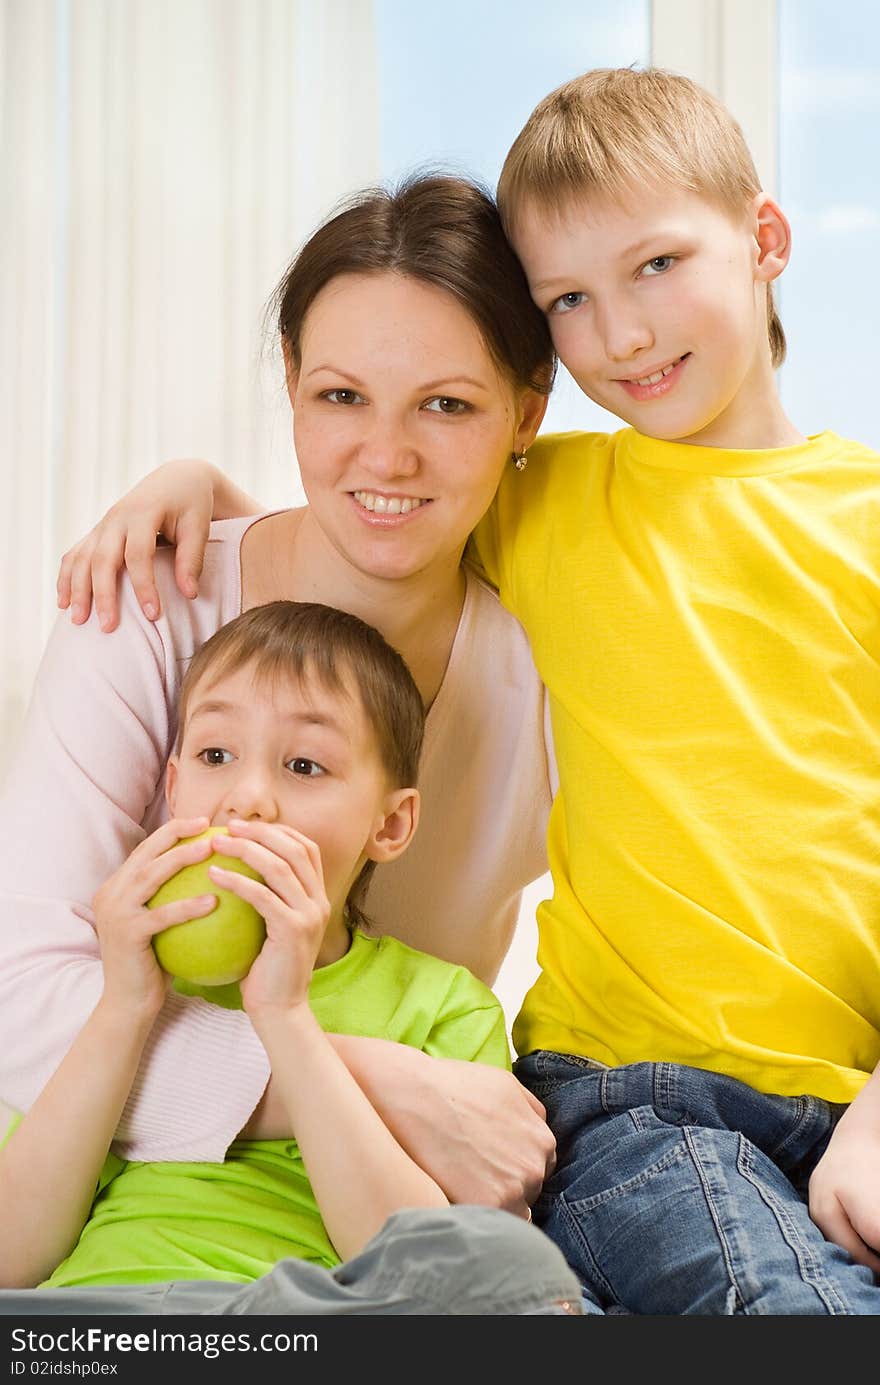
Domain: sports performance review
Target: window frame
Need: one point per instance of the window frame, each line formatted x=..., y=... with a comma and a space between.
x=731, y=48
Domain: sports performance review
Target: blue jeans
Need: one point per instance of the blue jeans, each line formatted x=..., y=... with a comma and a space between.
x=681, y=1191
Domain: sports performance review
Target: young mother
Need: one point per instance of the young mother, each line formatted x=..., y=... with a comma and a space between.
x=418, y=370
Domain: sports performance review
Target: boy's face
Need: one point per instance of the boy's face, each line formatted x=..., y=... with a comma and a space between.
x=280, y=752
x=658, y=310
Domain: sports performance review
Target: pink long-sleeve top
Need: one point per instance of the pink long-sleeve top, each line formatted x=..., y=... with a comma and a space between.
x=86, y=784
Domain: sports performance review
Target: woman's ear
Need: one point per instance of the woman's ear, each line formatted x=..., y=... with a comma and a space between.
x=773, y=236
x=291, y=371
x=533, y=406
x=394, y=831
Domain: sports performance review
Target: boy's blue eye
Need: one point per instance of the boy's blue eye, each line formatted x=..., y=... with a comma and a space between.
x=309, y=769
x=566, y=301
x=659, y=265
x=214, y=755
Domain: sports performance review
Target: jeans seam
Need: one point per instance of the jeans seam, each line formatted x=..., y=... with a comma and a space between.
x=688, y=1135
x=808, y=1108
x=598, y=1280
x=810, y=1269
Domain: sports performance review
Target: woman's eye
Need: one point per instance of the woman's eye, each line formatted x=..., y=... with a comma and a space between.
x=309, y=769
x=566, y=301
x=659, y=264
x=445, y=404
x=343, y=396
x=214, y=755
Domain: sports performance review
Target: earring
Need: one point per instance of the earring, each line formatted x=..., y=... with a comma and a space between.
x=520, y=459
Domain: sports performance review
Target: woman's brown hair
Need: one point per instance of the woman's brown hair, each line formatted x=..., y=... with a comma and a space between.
x=442, y=230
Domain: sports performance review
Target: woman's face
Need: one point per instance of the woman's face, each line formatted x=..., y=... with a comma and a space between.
x=402, y=422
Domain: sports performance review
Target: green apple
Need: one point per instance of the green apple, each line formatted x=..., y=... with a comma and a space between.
x=220, y=947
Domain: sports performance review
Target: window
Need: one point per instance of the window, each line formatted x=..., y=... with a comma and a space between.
x=457, y=85
x=829, y=104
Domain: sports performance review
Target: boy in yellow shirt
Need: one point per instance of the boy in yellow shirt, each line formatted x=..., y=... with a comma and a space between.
x=701, y=592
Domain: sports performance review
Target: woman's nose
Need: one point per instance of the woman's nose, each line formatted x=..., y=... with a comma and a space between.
x=388, y=453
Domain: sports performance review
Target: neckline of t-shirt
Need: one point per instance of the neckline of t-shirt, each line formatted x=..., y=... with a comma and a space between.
x=327, y=979
x=436, y=714
x=721, y=462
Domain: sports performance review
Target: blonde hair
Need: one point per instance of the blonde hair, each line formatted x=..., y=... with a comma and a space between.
x=614, y=129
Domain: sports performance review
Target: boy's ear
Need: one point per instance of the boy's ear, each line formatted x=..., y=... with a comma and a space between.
x=773, y=235
x=171, y=782
x=393, y=832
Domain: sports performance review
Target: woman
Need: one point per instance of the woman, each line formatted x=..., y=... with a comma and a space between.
x=418, y=369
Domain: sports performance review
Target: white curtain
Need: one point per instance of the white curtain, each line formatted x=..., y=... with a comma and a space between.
x=160, y=163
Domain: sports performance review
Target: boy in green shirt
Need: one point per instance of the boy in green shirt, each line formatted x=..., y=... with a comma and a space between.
x=300, y=733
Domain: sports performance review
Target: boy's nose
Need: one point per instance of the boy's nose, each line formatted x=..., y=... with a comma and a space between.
x=626, y=334
x=251, y=799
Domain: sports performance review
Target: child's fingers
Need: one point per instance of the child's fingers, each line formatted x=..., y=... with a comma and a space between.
x=168, y=836
x=291, y=877
x=180, y=911
x=266, y=843
x=154, y=873
x=274, y=832
x=268, y=902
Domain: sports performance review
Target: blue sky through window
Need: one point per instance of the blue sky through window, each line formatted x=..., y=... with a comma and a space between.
x=457, y=85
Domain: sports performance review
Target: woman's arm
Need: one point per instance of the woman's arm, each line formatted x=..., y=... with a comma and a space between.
x=86, y=775
x=176, y=502
x=477, y=1131
x=480, y=1134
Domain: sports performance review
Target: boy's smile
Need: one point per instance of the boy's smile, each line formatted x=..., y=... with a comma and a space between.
x=658, y=309
x=657, y=381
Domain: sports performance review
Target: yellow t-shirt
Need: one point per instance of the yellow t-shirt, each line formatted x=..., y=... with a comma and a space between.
x=707, y=623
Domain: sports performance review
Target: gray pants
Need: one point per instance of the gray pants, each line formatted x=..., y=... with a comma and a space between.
x=459, y=1260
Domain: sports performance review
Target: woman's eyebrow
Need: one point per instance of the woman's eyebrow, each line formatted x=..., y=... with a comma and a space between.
x=444, y=381
x=333, y=370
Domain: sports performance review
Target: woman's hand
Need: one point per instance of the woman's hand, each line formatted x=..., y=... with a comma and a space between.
x=176, y=502
x=845, y=1184
x=497, y=1148
x=133, y=980
x=480, y=1134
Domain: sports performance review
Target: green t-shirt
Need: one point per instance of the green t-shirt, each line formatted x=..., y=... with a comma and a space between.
x=233, y=1221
